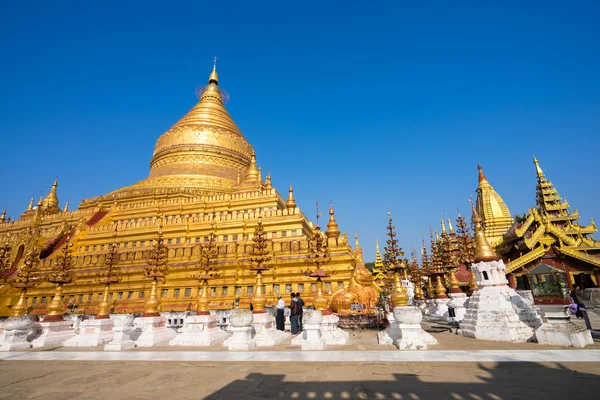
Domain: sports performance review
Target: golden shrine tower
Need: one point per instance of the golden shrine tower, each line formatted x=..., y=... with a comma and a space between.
x=378, y=269
x=547, y=250
x=492, y=210
x=203, y=177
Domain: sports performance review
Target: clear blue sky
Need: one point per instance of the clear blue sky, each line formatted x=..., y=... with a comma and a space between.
x=374, y=105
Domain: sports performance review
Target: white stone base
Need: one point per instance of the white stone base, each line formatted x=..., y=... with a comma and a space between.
x=410, y=338
x=15, y=337
x=199, y=330
x=154, y=331
x=391, y=333
x=241, y=339
x=560, y=331
x=430, y=307
x=330, y=331
x=264, y=332
x=310, y=338
x=440, y=309
x=121, y=340
x=498, y=313
x=457, y=302
x=427, y=338
x=92, y=332
x=52, y=333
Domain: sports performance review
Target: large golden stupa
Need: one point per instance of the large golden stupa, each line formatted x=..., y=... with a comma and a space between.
x=203, y=178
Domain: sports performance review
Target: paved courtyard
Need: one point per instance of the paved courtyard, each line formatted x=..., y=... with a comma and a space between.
x=456, y=368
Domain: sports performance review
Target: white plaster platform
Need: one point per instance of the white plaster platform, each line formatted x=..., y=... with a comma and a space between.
x=264, y=332
x=558, y=330
x=330, y=331
x=14, y=335
x=199, y=330
x=52, y=333
x=436, y=356
x=154, y=331
x=92, y=332
x=311, y=338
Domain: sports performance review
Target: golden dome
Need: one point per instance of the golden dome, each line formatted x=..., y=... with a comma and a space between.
x=493, y=211
x=203, y=150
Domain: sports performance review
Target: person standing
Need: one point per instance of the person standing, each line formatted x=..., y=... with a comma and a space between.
x=279, y=318
x=301, y=303
x=294, y=313
x=576, y=296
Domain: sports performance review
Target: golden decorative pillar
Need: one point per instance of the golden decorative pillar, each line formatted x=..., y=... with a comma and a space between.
x=62, y=273
x=440, y=290
x=109, y=273
x=393, y=262
x=259, y=255
x=153, y=302
x=207, y=255
x=156, y=267
x=202, y=302
x=318, y=255
x=430, y=289
x=399, y=296
x=19, y=309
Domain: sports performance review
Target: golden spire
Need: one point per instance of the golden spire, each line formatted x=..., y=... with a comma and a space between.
x=51, y=201
x=66, y=207
x=214, y=77
x=332, y=227
x=268, y=183
x=538, y=170
x=3, y=216
x=291, y=202
x=483, y=249
x=443, y=228
x=40, y=202
x=450, y=228
x=253, y=174
x=260, y=174
x=30, y=206
x=495, y=215
x=356, y=242
x=483, y=182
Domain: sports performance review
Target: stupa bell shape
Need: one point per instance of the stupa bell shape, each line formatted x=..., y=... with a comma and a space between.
x=493, y=211
x=204, y=150
x=332, y=227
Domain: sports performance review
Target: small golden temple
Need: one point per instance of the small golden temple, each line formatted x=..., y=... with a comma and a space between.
x=204, y=178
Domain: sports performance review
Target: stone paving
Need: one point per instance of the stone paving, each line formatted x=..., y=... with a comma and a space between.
x=315, y=356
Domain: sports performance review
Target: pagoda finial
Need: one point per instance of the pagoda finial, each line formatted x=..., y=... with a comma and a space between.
x=66, y=207
x=3, y=216
x=268, y=183
x=332, y=227
x=538, y=170
x=357, y=246
x=483, y=249
x=443, y=228
x=450, y=228
x=291, y=202
x=483, y=182
x=253, y=174
x=30, y=206
x=51, y=200
x=214, y=77
x=40, y=202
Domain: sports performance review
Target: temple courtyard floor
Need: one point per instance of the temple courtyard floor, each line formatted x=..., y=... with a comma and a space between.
x=456, y=368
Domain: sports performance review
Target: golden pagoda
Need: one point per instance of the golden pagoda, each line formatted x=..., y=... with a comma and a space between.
x=379, y=269
x=203, y=171
x=547, y=250
x=494, y=213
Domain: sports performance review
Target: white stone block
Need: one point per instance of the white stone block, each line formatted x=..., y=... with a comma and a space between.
x=264, y=332
x=330, y=331
x=153, y=331
x=560, y=331
x=16, y=330
x=52, y=333
x=311, y=338
x=199, y=330
x=92, y=332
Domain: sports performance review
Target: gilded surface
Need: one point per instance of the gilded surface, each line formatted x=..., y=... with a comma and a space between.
x=190, y=203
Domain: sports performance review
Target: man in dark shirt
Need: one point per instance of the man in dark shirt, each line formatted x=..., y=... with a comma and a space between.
x=301, y=303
